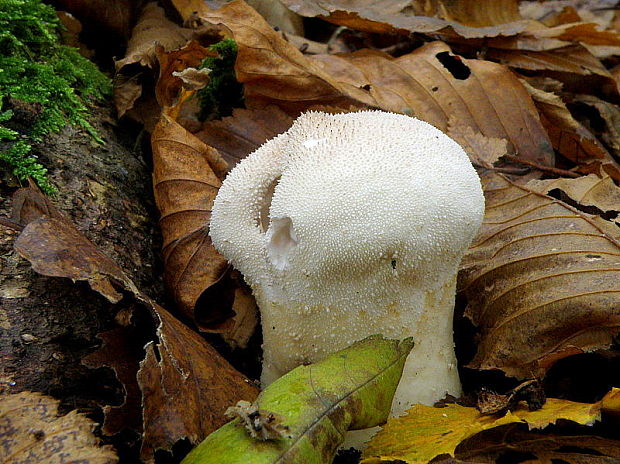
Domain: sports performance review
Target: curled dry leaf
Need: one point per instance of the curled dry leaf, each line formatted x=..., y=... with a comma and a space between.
x=349, y=390
x=466, y=18
x=151, y=30
x=34, y=432
x=188, y=366
x=186, y=381
x=431, y=83
x=541, y=279
x=178, y=68
x=426, y=432
x=568, y=136
x=574, y=59
x=186, y=178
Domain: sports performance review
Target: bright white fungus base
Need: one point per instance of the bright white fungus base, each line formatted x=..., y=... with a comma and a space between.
x=350, y=225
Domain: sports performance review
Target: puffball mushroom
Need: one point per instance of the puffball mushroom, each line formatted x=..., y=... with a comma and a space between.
x=349, y=225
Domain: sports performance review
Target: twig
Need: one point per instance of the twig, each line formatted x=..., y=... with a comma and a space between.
x=542, y=167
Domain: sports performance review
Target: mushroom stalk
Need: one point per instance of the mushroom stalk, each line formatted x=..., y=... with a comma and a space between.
x=350, y=225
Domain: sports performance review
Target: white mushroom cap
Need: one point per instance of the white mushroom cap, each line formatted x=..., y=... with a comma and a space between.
x=349, y=225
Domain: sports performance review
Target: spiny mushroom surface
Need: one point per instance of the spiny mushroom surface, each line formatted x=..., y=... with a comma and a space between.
x=349, y=225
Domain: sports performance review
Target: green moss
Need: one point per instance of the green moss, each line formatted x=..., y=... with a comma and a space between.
x=223, y=93
x=43, y=85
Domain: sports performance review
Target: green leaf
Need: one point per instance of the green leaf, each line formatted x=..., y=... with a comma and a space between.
x=351, y=389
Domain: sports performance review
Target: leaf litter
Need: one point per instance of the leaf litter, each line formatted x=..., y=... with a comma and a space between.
x=541, y=277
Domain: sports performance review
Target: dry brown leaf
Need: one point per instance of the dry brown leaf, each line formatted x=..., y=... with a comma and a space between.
x=273, y=70
x=430, y=83
x=188, y=363
x=119, y=352
x=569, y=137
x=245, y=320
x=488, y=447
x=541, y=280
x=610, y=114
x=169, y=381
x=466, y=18
x=238, y=135
x=434, y=85
x=572, y=59
x=182, y=60
x=279, y=16
x=115, y=16
x=151, y=30
x=589, y=190
x=127, y=90
x=186, y=178
x=45, y=243
x=483, y=151
x=34, y=432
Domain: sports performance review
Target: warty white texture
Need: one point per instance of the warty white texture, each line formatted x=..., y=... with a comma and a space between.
x=349, y=225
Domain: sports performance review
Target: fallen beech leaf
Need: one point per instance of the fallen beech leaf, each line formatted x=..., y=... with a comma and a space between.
x=45, y=243
x=431, y=83
x=589, y=190
x=279, y=16
x=188, y=363
x=467, y=18
x=182, y=387
x=272, y=69
x=238, y=135
x=33, y=431
x=541, y=281
x=483, y=151
x=435, y=85
x=350, y=389
x=152, y=29
x=186, y=178
x=425, y=432
x=573, y=59
x=245, y=319
x=127, y=90
x=119, y=352
x=568, y=136
x=610, y=114
x=488, y=447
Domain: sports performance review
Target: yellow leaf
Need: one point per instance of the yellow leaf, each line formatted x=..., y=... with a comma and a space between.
x=426, y=432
